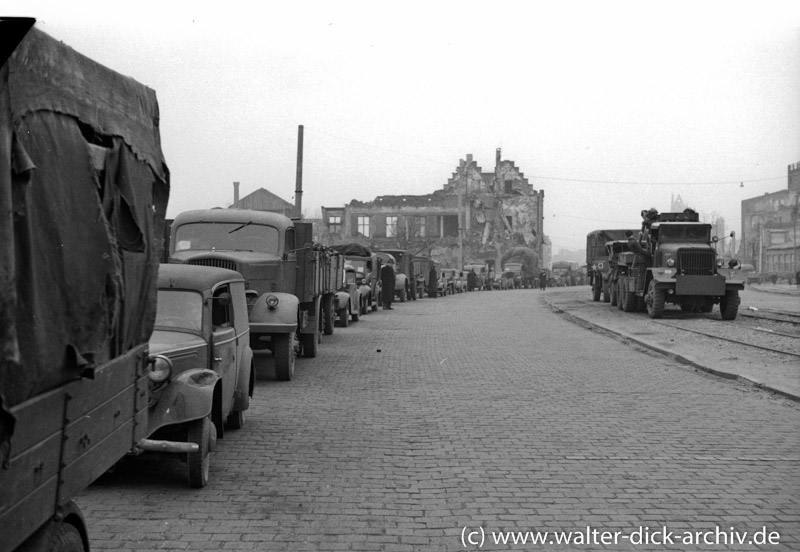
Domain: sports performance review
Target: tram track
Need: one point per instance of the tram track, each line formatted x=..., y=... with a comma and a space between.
x=783, y=338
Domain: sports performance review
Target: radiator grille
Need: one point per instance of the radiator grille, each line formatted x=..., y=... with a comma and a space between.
x=697, y=262
x=217, y=263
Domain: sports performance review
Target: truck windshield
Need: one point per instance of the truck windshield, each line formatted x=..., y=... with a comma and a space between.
x=180, y=310
x=685, y=232
x=227, y=236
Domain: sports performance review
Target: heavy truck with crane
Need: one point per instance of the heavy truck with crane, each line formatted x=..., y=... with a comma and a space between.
x=84, y=189
x=675, y=262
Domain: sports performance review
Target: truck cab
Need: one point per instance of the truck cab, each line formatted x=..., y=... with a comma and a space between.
x=684, y=268
x=283, y=269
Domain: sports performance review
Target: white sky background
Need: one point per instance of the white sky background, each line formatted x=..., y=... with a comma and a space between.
x=644, y=99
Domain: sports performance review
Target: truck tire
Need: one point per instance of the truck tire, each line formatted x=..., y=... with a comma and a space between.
x=658, y=297
x=198, y=463
x=328, y=315
x=310, y=344
x=283, y=351
x=606, y=292
x=62, y=536
x=614, y=294
x=629, y=302
x=597, y=288
x=402, y=296
x=620, y=296
x=355, y=316
x=235, y=420
x=729, y=304
x=344, y=316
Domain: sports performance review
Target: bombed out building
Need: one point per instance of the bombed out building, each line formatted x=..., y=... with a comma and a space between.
x=474, y=217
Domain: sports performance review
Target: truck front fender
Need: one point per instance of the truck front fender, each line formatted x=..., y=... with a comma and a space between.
x=189, y=396
x=278, y=320
x=340, y=299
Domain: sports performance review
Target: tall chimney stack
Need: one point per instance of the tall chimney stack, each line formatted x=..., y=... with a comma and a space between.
x=236, y=192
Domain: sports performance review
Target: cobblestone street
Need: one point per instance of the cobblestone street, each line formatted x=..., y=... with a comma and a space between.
x=448, y=421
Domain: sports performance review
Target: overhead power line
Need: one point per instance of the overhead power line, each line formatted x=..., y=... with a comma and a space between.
x=738, y=182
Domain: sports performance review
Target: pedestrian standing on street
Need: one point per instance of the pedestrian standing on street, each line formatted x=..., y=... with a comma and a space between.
x=542, y=280
x=387, y=284
x=433, y=283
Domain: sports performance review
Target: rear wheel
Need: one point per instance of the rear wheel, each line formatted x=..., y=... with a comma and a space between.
x=656, y=298
x=235, y=420
x=620, y=296
x=614, y=294
x=729, y=304
x=310, y=344
x=629, y=302
x=61, y=536
x=402, y=296
x=344, y=316
x=328, y=315
x=355, y=316
x=597, y=288
x=199, y=463
x=283, y=351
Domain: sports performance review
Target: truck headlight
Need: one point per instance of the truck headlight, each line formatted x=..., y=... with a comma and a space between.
x=272, y=302
x=160, y=368
x=670, y=262
x=720, y=263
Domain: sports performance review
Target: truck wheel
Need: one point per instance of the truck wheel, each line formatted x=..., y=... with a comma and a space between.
x=328, y=315
x=729, y=304
x=310, y=344
x=606, y=292
x=355, y=316
x=630, y=302
x=402, y=296
x=344, y=316
x=596, y=289
x=235, y=420
x=620, y=296
x=283, y=351
x=614, y=298
x=199, y=463
x=62, y=536
x=657, y=298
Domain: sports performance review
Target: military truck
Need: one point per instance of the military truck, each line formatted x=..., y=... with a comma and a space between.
x=84, y=189
x=288, y=275
x=597, y=261
x=682, y=268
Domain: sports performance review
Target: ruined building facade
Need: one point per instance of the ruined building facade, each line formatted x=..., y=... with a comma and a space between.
x=475, y=217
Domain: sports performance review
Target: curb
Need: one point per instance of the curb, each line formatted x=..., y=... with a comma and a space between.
x=683, y=359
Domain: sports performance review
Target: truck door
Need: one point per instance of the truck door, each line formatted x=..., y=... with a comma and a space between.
x=224, y=353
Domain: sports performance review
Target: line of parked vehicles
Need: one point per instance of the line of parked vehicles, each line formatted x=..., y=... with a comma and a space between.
x=671, y=259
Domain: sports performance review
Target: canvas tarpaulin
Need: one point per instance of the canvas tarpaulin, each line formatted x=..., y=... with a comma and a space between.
x=83, y=192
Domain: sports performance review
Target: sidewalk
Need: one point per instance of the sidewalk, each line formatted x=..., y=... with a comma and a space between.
x=776, y=374
x=783, y=289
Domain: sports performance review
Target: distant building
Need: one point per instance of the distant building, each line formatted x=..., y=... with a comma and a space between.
x=262, y=200
x=769, y=239
x=475, y=217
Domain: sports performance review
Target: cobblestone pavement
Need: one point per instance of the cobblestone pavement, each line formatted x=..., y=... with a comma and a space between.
x=448, y=421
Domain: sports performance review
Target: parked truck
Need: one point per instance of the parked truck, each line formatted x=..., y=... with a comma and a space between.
x=681, y=268
x=84, y=189
x=289, y=277
x=597, y=261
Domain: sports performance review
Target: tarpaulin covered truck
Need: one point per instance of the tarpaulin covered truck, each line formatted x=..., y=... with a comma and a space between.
x=83, y=193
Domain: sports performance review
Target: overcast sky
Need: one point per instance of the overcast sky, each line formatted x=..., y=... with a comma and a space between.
x=610, y=107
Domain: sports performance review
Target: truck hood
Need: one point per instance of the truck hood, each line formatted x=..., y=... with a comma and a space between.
x=163, y=342
x=249, y=257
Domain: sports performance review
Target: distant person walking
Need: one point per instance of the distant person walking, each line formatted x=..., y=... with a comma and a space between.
x=387, y=284
x=542, y=280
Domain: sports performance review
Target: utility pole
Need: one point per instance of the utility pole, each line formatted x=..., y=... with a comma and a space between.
x=298, y=192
